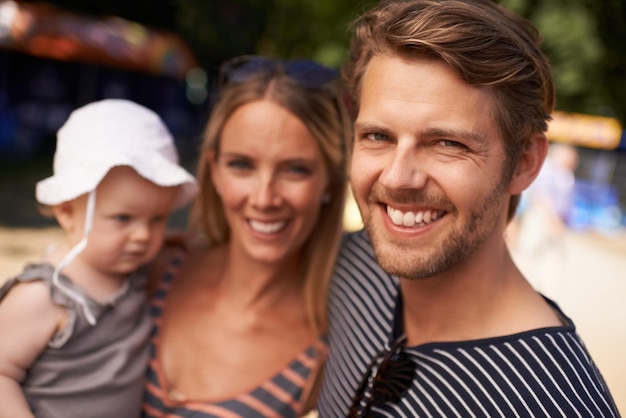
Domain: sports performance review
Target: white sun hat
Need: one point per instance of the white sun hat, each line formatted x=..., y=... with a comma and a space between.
x=109, y=133
x=96, y=138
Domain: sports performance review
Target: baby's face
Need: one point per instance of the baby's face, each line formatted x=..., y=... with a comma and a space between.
x=129, y=222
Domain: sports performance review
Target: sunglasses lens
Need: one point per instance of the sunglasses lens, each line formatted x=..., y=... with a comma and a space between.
x=306, y=73
x=241, y=71
x=393, y=373
x=310, y=74
x=394, y=378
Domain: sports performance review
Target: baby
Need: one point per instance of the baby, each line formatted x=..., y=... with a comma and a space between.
x=75, y=325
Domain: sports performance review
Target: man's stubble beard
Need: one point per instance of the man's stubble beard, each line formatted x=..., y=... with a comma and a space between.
x=400, y=259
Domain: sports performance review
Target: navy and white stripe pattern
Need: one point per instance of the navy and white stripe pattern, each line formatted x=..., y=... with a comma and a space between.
x=541, y=373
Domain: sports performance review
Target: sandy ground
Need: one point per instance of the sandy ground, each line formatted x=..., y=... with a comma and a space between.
x=587, y=279
x=21, y=245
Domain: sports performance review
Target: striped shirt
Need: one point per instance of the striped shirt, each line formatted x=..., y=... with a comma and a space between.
x=280, y=396
x=541, y=373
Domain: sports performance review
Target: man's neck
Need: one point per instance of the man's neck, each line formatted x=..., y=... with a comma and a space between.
x=474, y=302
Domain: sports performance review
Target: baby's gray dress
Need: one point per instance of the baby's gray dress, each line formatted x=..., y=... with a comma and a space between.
x=90, y=371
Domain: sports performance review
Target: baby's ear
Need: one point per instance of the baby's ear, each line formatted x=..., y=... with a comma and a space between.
x=65, y=214
x=529, y=163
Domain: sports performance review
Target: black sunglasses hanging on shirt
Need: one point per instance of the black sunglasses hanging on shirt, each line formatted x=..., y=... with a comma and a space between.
x=389, y=375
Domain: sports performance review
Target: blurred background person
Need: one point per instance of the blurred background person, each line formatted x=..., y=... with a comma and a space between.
x=537, y=234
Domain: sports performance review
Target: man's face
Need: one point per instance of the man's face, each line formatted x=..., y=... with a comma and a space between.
x=427, y=168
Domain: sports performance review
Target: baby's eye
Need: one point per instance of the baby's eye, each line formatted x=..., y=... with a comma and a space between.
x=122, y=217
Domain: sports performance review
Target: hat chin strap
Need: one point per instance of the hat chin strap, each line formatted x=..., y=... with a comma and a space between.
x=71, y=255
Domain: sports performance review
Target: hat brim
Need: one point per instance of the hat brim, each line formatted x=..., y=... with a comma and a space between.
x=71, y=184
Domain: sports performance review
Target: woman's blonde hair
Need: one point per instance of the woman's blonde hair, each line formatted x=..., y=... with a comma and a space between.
x=323, y=112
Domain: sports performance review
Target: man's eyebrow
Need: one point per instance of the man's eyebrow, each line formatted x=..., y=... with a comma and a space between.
x=371, y=127
x=476, y=137
x=365, y=126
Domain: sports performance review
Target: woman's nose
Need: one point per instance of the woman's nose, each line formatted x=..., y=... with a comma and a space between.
x=266, y=193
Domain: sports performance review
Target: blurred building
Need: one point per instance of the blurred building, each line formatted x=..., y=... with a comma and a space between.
x=600, y=190
x=52, y=61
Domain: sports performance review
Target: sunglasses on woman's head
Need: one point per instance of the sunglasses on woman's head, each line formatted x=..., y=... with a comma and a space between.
x=306, y=73
x=388, y=377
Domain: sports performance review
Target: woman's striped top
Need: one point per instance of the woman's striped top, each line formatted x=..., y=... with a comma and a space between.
x=541, y=373
x=280, y=396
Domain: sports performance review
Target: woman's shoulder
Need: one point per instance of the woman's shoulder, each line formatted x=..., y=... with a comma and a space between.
x=182, y=261
x=169, y=256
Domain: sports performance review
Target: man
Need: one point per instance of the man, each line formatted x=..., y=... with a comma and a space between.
x=453, y=99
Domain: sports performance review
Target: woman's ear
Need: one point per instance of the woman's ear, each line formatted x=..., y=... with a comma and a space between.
x=529, y=163
x=211, y=159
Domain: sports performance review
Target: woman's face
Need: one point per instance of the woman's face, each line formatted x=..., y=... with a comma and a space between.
x=271, y=178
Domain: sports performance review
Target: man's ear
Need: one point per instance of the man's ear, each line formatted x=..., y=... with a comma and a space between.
x=529, y=163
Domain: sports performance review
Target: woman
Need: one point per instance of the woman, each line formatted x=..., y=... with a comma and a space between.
x=240, y=318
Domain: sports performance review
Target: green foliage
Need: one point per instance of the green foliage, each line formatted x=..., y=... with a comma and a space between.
x=219, y=29
x=611, y=21
x=577, y=40
x=317, y=29
x=575, y=51
x=585, y=39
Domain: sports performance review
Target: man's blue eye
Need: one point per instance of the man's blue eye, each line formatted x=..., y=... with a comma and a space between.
x=449, y=143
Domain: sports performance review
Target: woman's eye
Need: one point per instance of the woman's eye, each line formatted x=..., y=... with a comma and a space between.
x=238, y=164
x=299, y=169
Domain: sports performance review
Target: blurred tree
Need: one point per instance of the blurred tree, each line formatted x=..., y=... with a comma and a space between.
x=317, y=29
x=159, y=13
x=584, y=38
x=585, y=42
x=610, y=16
x=219, y=29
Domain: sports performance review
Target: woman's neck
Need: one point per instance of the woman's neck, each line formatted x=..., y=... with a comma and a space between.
x=250, y=284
